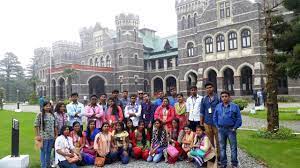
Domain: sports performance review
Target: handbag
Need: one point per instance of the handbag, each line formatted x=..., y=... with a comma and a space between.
x=197, y=152
x=99, y=161
x=172, y=151
x=73, y=159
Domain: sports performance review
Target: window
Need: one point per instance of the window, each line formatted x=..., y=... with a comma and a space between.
x=96, y=62
x=208, y=45
x=102, y=62
x=108, y=61
x=160, y=64
x=224, y=10
x=153, y=66
x=190, y=49
x=195, y=18
x=120, y=60
x=135, y=59
x=91, y=62
x=145, y=65
x=183, y=23
x=232, y=41
x=169, y=62
x=98, y=41
x=189, y=21
x=220, y=43
x=246, y=38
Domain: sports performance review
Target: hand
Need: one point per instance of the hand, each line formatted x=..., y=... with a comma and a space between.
x=233, y=130
x=38, y=138
x=201, y=123
x=70, y=155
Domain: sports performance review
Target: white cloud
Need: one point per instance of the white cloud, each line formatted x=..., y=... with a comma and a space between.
x=29, y=24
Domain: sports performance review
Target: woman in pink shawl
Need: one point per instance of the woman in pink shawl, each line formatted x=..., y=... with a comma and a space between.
x=94, y=112
x=165, y=113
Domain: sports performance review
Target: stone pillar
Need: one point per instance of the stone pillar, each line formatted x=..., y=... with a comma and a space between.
x=164, y=86
x=174, y=63
x=237, y=86
x=156, y=64
x=165, y=64
x=220, y=83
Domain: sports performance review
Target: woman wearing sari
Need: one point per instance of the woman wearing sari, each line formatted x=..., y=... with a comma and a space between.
x=180, y=111
x=165, y=113
x=88, y=151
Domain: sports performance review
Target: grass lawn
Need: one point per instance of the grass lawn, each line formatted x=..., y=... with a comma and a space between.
x=26, y=135
x=275, y=153
x=288, y=114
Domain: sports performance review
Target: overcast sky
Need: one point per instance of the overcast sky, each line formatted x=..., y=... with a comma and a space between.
x=28, y=24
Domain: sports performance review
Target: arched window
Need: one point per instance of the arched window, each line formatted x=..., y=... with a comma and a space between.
x=195, y=18
x=189, y=21
x=232, y=41
x=91, y=62
x=183, y=23
x=102, y=62
x=209, y=45
x=190, y=49
x=108, y=61
x=96, y=62
x=246, y=38
x=220, y=43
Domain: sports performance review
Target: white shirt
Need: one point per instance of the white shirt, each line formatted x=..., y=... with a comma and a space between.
x=193, y=105
x=136, y=109
x=72, y=109
x=64, y=144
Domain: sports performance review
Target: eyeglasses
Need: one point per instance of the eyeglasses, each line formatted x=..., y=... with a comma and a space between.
x=141, y=93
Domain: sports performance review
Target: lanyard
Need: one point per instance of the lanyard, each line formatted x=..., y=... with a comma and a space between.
x=194, y=102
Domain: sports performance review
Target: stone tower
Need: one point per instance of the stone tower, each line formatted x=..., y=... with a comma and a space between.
x=129, y=53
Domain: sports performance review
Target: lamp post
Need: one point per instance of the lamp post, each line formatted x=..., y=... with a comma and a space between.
x=18, y=103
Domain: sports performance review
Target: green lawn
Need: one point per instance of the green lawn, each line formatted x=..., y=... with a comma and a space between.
x=26, y=135
x=275, y=153
x=284, y=114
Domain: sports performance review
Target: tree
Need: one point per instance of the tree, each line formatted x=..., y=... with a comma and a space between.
x=70, y=75
x=11, y=69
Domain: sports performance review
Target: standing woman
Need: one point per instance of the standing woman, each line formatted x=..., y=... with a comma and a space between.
x=61, y=115
x=158, y=143
x=180, y=111
x=45, y=132
x=94, y=112
x=121, y=143
x=77, y=138
x=88, y=151
x=114, y=113
x=165, y=113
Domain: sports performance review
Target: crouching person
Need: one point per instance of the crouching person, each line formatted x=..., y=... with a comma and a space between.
x=102, y=145
x=65, y=154
x=142, y=139
x=202, y=150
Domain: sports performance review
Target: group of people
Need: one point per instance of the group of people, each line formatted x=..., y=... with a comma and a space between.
x=172, y=128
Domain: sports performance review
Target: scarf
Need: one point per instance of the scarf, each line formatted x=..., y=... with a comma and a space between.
x=180, y=110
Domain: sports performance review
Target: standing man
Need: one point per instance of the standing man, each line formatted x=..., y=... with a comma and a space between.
x=115, y=96
x=140, y=98
x=227, y=118
x=124, y=100
x=208, y=106
x=75, y=110
x=159, y=99
x=103, y=103
x=148, y=109
x=173, y=97
x=133, y=110
x=193, y=105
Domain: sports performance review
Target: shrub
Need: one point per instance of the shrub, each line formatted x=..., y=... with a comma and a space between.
x=282, y=133
x=241, y=103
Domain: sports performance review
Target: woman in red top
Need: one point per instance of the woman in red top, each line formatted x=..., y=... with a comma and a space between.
x=114, y=113
x=130, y=129
x=165, y=113
x=142, y=139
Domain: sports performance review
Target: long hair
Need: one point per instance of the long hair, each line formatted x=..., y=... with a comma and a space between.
x=144, y=136
x=168, y=106
x=129, y=129
x=57, y=107
x=122, y=127
x=79, y=133
x=160, y=129
x=43, y=113
x=88, y=130
x=115, y=110
x=63, y=128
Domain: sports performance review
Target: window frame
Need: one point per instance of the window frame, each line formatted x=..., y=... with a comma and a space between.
x=190, y=49
x=220, y=43
x=246, y=38
x=232, y=40
x=209, y=45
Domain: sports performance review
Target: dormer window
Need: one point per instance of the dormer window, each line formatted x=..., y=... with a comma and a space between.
x=224, y=9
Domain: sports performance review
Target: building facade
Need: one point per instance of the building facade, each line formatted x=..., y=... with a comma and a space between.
x=217, y=40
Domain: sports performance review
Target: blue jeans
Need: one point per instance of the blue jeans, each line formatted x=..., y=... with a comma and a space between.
x=46, y=152
x=121, y=154
x=156, y=158
x=66, y=164
x=224, y=134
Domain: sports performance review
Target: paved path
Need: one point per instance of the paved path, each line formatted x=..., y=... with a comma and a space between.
x=25, y=108
x=244, y=159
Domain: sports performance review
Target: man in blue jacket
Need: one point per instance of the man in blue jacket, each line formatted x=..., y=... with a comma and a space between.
x=227, y=118
x=208, y=106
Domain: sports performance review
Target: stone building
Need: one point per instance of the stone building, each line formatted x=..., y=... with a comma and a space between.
x=217, y=40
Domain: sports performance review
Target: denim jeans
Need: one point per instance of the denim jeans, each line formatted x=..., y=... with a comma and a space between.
x=156, y=158
x=120, y=154
x=224, y=134
x=46, y=152
x=66, y=164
